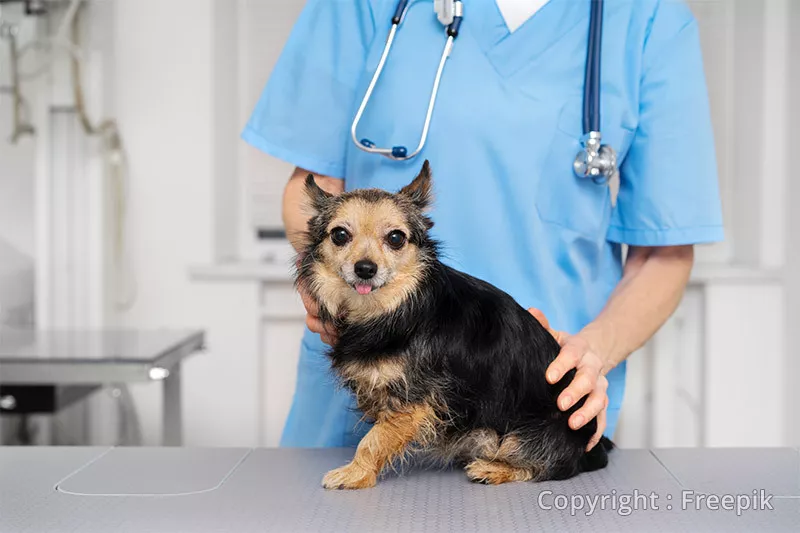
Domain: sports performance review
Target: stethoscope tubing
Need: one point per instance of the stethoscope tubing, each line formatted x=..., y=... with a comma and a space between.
x=595, y=160
x=400, y=153
x=591, y=98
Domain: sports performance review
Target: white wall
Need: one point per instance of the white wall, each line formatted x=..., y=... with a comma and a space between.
x=262, y=27
x=16, y=224
x=16, y=186
x=792, y=235
x=165, y=106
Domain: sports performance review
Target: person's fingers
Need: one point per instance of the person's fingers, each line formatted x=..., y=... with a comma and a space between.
x=315, y=325
x=595, y=403
x=571, y=353
x=601, y=427
x=326, y=332
x=330, y=340
x=538, y=315
x=584, y=382
x=308, y=302
x=561, y=337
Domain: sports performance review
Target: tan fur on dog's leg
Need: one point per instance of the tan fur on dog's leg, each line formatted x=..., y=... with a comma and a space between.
x=387, y=440
x=502, y=465
x=496, y=472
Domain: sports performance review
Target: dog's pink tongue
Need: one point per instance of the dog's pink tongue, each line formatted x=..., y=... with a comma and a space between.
x=364, y=289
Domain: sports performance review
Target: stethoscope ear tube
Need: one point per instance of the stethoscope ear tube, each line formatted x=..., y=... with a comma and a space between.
x=458, y=16
x=399, y=11
x=595, y=160
x=400, y=153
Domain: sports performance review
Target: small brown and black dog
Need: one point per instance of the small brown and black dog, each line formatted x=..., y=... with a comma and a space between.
x=441, y=361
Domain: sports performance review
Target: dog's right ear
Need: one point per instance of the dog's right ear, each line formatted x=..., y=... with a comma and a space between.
x=317, y=197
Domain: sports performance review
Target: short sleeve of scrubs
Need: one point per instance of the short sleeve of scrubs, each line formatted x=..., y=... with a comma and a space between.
x=669, y=192
x=303, y=115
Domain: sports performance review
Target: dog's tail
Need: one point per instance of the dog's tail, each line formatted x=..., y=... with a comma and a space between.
x=597, y=457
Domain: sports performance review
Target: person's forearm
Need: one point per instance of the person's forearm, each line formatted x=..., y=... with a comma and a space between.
x=650, y=290
x=295, y=215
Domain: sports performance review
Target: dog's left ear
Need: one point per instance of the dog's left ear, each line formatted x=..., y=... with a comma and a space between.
x=419, y=190
x=317, y=197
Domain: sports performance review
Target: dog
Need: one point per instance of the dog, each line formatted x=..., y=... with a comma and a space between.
x=440, y=361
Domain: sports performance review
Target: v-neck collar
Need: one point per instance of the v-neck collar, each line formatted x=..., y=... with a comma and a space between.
x=509, y=51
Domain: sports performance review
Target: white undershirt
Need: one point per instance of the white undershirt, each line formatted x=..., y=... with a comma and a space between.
x=516, y=12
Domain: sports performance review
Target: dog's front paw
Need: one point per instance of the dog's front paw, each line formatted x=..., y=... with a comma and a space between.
x=349, y=477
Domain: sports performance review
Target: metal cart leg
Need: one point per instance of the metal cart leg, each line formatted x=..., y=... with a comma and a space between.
x=173, y=421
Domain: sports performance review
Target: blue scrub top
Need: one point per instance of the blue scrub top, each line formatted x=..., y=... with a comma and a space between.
x=505, y=130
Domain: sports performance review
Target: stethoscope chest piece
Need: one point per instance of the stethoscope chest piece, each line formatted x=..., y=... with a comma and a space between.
x=597, y=161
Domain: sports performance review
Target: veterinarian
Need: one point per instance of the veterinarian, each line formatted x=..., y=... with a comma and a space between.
x=502, y=139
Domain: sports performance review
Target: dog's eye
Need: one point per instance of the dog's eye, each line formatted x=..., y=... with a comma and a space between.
x=396, y=239
x=340, y=236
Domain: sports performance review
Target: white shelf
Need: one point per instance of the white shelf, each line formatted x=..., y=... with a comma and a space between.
x=242, y=271
x=703, y=274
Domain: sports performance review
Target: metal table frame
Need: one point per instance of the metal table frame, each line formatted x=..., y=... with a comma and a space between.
x=164, y=366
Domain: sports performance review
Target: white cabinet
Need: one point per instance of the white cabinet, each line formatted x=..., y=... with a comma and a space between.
x=712, y=375
x=281, y=325
x=664, y=392
x=273, y=327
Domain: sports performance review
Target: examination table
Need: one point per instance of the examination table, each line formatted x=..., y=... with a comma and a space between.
x=173, y=490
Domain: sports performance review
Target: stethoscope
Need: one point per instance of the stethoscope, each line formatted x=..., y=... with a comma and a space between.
x=595, y=160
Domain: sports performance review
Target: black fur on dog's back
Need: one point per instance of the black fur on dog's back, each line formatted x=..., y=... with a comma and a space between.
x=485, y=356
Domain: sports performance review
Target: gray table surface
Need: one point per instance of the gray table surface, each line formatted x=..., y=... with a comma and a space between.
x=72, y=357
x=261, y=490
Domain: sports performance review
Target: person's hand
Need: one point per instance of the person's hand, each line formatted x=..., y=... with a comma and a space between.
x=326, y=332
x=589, y=379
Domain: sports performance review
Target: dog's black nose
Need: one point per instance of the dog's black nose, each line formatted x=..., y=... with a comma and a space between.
x=365, y=269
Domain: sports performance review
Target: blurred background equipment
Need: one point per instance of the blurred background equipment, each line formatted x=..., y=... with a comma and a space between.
x=43, y=38
x=20, y=125
x=45, y=372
